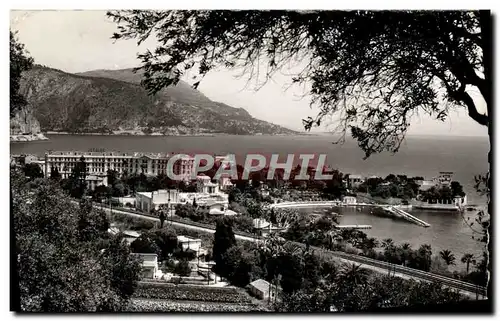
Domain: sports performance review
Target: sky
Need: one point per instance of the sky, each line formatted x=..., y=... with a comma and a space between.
x=78, y=41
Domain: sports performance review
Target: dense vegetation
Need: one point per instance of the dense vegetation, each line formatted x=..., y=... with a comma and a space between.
x=66, y=261
x=20, y=62
x=407, y=188
x=311, y=283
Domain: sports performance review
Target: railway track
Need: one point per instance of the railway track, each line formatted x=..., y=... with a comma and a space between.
x=472, y=289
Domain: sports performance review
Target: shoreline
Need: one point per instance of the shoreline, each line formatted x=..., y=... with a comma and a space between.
x=28, y=137
x=165, y=135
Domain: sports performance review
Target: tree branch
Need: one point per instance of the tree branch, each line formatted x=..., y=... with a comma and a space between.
x=471, y=107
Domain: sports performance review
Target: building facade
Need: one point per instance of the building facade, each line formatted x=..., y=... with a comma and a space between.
x=149, y=265
x=98, y=163
x=147, y=201
x=355, y=180
x=262, y=289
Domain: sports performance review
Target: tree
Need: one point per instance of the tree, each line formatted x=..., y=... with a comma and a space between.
x=76, y=184
x=91, y=224
x=223, y=240
x=352, y=274
x=186, y=211
x=101, y=192
x=182, y=268
x=406, y=252
x=166, y=240
x=162, y=218
x=124, y=268
x=65, y=263
x=358, y=64
x=112, y=177
x=448, y=257
x=33, y=170
x=359, y=55
x=146, y=243
x=468, y=258
x=387, y=243
x=54, y=174
x=20, y=61
x=457, y=189
x=422, y=258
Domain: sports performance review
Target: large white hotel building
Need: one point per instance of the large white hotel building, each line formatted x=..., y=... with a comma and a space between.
x=98, y=164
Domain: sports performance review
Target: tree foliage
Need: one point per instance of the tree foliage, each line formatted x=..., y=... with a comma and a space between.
x=19, y=61
x=65, y=260
x=33, y=170
x=373, y=69
x=182, y=268
x=76, y=184
x=223, y=240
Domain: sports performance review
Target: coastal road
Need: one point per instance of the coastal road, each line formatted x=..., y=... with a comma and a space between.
x=471, y=290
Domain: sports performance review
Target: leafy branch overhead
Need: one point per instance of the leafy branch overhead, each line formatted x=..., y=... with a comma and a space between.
x=373, y=70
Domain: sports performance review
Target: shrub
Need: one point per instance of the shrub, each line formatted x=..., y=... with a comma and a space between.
x=182, y=268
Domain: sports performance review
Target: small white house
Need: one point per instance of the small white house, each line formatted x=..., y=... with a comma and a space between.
x=218, y=212
x=355, y=180
x=349, y=200
x=149, y=264
x=147, y=201
x=125, y=200
x=260, y=223
x=188, y=244
x=262, y=289
x=131, y=236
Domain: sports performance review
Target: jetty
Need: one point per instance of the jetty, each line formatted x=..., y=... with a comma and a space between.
x=394, y=210
x=355, y=226
x=305, y=204
x=400, y=213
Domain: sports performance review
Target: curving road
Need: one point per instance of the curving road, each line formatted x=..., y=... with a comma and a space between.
x=469, y=289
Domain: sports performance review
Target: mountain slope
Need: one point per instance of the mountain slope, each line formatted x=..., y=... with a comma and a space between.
x=114, y=101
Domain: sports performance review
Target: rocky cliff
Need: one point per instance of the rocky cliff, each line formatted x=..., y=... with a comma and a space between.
x=114, y=102
x=25, y=127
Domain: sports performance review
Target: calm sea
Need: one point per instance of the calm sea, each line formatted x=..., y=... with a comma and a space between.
x=418, y=156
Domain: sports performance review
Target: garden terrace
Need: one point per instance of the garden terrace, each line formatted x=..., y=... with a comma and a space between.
x=168, y=291
x=145, y=305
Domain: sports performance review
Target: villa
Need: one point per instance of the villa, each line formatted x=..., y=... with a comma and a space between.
x=149, y=265
x=148, y=201
x=188, y=244
x=355, y=180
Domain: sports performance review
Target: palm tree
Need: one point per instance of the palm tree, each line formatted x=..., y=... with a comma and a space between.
x=406, y=246
x=369, y=244
x=353, y=274
x=468, y=258
x=387, y=243
x=405, y=252
x=448, y=257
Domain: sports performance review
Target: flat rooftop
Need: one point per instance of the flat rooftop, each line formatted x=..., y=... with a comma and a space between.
x=107, y=154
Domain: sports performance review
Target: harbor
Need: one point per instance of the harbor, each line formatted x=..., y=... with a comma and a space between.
x=393, y=210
